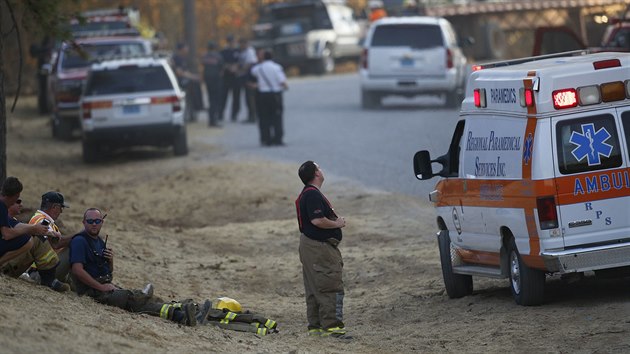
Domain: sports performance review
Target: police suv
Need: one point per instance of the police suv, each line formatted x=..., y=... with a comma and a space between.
x=536, y=180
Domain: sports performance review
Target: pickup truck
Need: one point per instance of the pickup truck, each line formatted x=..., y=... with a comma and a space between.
x=309, y=34
x=549, y=40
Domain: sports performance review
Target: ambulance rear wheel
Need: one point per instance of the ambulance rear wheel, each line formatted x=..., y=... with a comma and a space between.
x=527, y=284
x=457, y=285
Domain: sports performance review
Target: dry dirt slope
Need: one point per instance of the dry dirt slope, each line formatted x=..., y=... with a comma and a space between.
x=209, y=225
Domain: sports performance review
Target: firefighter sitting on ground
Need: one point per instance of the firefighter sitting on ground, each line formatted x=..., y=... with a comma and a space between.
x=49, y=253
x=92, y=267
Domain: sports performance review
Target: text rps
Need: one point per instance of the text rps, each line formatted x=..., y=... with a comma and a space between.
x=492, y=142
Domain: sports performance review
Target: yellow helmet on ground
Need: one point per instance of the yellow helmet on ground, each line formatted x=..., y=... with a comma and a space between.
x=223, y=303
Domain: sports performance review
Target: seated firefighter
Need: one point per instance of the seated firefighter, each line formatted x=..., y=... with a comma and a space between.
x=43, y=253
x=14, y=238
x=92, y=265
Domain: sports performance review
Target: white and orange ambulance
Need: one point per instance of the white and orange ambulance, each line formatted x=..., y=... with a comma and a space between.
x=536, y=180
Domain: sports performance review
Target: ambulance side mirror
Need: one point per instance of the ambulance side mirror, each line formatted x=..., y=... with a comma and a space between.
x=422, y=165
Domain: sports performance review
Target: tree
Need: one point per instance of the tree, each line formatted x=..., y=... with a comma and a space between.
x=16, y=15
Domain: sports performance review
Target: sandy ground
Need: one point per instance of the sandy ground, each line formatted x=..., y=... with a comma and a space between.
x=208, y=225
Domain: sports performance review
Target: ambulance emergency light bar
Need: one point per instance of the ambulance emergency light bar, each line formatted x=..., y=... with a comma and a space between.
x=573, y=97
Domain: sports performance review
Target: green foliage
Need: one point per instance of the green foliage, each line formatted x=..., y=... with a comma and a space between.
x=49, y=17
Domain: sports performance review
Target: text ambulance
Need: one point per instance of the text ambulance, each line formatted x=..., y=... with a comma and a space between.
x=537, y=175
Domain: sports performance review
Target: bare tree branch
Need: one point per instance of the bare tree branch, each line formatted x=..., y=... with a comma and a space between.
x=19, y=42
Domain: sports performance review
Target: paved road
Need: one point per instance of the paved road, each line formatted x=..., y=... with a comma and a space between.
x=324, y=122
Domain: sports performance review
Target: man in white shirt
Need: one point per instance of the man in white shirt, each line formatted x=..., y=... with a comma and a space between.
x=271, y=81
x=247, y=59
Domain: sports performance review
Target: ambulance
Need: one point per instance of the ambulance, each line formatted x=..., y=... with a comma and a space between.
x=536, y=180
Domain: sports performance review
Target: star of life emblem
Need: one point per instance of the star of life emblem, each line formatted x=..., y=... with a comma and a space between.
x=527, y=148
x=590, y=144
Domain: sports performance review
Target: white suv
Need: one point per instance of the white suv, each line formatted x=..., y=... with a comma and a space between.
x=130, y=102
x=409, y=56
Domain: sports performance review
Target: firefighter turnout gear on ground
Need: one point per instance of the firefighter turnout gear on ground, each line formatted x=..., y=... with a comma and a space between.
x=221, y=314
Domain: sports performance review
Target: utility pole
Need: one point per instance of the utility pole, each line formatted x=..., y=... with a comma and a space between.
x=190, y=32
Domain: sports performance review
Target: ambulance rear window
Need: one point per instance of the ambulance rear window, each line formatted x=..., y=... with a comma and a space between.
x=625, y=119
x=588, y=144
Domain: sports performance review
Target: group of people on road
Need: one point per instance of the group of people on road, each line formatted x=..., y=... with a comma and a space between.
x=236, y=68
x=38, y=252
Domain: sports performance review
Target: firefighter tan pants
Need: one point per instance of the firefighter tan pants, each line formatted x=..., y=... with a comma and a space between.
x=41, y=253
x=322, y=268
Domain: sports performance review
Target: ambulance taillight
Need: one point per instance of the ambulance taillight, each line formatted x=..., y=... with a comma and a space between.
x=547, y=215
x=566, y=98
x=613, y=91
x=605, y=64
x=480, y=97
x=526, y=97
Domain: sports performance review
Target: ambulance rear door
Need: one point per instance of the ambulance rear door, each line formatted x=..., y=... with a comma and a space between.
x=593, y=182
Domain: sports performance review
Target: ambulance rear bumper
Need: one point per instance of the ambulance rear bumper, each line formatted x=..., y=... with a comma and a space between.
x=585, y=259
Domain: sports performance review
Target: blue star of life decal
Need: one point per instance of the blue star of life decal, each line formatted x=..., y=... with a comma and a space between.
x=590, y=144
x=527, y=148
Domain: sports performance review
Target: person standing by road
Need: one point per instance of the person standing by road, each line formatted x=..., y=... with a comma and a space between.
x=213, y=77
x=231, y=83
x=322, y=265
x=92, y=268
x=188, y=81
x=270, y=81
x=247, y=59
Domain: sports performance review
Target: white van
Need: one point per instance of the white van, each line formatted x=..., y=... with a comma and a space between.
x=536, y=180
x=409, y=56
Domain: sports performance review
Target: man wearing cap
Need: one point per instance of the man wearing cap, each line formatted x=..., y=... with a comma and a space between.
x=48, y=253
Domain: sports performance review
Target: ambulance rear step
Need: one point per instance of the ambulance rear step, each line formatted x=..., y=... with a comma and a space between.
x=585, y=259
x=483, y=271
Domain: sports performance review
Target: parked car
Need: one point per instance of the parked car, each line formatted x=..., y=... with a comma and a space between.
x=410, y=56
x=69, y=70
x=310, y=34
x=132, y=102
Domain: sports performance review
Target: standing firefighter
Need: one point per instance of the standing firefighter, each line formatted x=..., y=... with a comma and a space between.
x=322, y=265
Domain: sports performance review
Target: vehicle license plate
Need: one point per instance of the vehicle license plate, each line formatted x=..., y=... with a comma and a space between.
x=406, y=62
x=291, y=29
x=131, y=109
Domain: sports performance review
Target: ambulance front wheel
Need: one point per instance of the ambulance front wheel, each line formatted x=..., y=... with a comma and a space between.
x=457, y=285
x=527, y=284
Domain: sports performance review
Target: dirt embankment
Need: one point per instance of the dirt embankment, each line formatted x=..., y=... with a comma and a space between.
x=199, y=227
